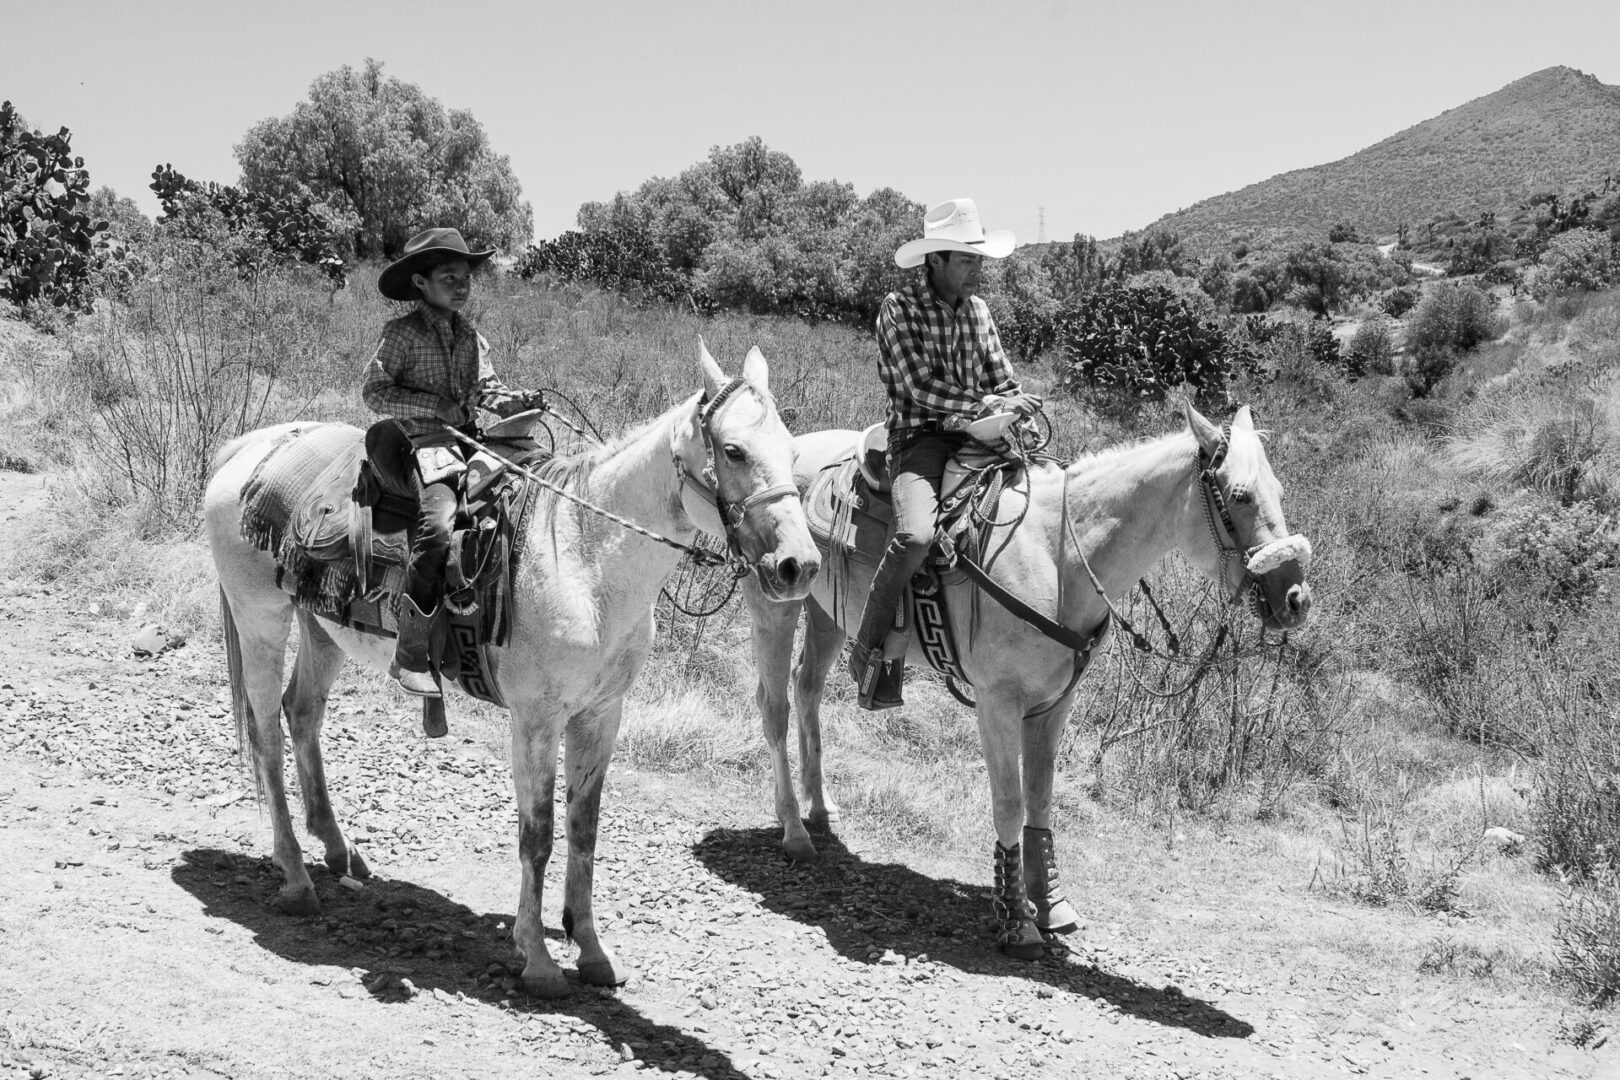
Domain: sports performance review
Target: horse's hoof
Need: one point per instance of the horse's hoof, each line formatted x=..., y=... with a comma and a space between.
x=1060, y=918
x=1023, y=950
x=603, y=973
x=301, y=902
x=548, y=984
x=350, y=865
x=800, y=851
x=824, y=819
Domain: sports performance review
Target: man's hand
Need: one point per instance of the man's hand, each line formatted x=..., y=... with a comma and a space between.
x=450, y=412
x=1025, y=405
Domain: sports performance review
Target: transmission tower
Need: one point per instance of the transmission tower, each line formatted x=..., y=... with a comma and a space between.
x=1041, y=234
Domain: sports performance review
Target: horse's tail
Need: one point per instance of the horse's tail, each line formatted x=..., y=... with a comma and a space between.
x=247, y=730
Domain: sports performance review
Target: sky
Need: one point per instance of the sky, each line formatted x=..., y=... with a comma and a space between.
x=1057, y=118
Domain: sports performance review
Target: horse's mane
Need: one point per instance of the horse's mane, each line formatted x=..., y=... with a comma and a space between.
x=1118, y=450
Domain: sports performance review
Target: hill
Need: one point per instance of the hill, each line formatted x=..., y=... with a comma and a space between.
x=1554, y=130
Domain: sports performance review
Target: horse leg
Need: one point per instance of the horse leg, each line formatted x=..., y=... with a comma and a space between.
x=534, y=777
x=315, y=668
x=1000, y=724
x=771, y=629
x=823, y=638
x=1053, y=913
x=587, y=751
x=256, y=624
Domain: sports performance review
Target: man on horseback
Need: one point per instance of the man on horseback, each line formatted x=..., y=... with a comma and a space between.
x=431, y=371
x=942, y=364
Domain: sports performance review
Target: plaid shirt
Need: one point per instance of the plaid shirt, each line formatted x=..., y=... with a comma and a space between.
x=427, y=357
x=937, y=362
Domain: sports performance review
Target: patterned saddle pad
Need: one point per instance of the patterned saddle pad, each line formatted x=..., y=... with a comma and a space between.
x=300, y=503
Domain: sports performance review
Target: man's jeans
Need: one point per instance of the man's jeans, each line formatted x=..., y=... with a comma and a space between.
x=917, y=463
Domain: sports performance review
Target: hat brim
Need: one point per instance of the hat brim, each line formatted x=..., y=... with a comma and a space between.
x=997, y=245
x=395, y=282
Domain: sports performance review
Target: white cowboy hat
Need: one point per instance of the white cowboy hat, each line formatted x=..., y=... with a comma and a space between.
x=954, y=226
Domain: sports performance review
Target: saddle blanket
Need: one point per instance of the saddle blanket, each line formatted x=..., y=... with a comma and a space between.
x=299, y=505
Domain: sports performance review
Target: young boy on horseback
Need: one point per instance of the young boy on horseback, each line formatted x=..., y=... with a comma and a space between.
x=431, y=371
x=942, y=364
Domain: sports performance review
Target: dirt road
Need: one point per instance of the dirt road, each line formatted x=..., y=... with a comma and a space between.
x=137, y=938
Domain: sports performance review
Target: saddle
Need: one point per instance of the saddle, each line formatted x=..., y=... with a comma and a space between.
x=337, y=508
x=850, y=515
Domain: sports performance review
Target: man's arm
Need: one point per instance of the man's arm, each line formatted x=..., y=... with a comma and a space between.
x=903, y=365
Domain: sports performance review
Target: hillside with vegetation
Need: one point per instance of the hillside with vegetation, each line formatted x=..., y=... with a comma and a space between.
x=1554, y=130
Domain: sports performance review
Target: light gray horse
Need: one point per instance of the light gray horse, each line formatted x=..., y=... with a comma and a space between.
x=582, y=625
x=1117, y=512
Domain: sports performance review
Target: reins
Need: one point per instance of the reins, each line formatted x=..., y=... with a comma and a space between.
x=1215, y=510
x=731, y=515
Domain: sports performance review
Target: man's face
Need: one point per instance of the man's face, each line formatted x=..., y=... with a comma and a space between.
x=448, y=286
x=957, y=274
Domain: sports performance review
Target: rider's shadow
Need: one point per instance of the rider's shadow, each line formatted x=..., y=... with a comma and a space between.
x=409, y=940
x=866, y=908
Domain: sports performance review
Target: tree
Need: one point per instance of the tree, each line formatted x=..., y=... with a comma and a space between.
x=49, y=245
x=390, y=161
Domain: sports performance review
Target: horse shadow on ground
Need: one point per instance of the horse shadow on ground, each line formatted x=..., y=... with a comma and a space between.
x=866, y=908
x=408, y=940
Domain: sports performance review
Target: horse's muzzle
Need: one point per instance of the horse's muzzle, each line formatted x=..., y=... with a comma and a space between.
x=787, y=577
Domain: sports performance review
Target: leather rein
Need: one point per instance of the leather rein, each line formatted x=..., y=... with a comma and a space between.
x=732, y=515
x=1082, y=645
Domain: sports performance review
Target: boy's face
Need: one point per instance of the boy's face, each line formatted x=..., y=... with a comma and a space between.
x=447, y=287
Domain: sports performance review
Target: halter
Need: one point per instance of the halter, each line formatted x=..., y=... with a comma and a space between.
x=1257, y=559
x=707, y=487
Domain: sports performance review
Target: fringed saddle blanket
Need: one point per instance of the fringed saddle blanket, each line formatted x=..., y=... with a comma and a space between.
x=299, y=504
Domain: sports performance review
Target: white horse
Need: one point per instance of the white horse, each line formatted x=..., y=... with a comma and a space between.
x=581, y=627
x=1205, y=492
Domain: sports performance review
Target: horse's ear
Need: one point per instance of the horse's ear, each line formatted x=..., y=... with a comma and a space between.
x=713, y=377
x=1207, y=434
x=755, y=370
x=1244, y=420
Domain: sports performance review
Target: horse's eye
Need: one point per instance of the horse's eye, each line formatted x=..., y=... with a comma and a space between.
x=735, y=452
x=1241, y=494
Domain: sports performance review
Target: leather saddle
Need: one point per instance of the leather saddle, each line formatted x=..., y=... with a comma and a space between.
x=850, y=511
x=345, y=545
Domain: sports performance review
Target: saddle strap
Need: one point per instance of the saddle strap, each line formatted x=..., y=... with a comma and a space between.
x=361, y=535
x=1070, y=639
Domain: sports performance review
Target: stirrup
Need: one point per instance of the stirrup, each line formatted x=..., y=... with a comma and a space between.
x=877, y=681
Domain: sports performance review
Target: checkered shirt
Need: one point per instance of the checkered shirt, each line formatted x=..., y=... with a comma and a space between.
x=426, y=357
x=935, y=361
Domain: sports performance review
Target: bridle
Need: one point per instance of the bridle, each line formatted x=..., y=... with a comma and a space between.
x=1256, y=558
x=707, y=485
x=707, y=488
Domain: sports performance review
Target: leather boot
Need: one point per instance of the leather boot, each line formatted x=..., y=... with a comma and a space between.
x=877, y=681
x=413, y=650
x=1016, y=933
x=1053, y=914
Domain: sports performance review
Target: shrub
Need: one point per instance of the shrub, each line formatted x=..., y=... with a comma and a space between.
x=1454, y=317
x=49, y=247
x=292, y=228
x=1143, y=341
x=1399, y=300
x=1588, y=939
x=1372, y=347
x=1581, y=260
x=1567, y=555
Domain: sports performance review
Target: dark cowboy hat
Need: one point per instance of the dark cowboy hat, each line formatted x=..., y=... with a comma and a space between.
x=395, y=282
